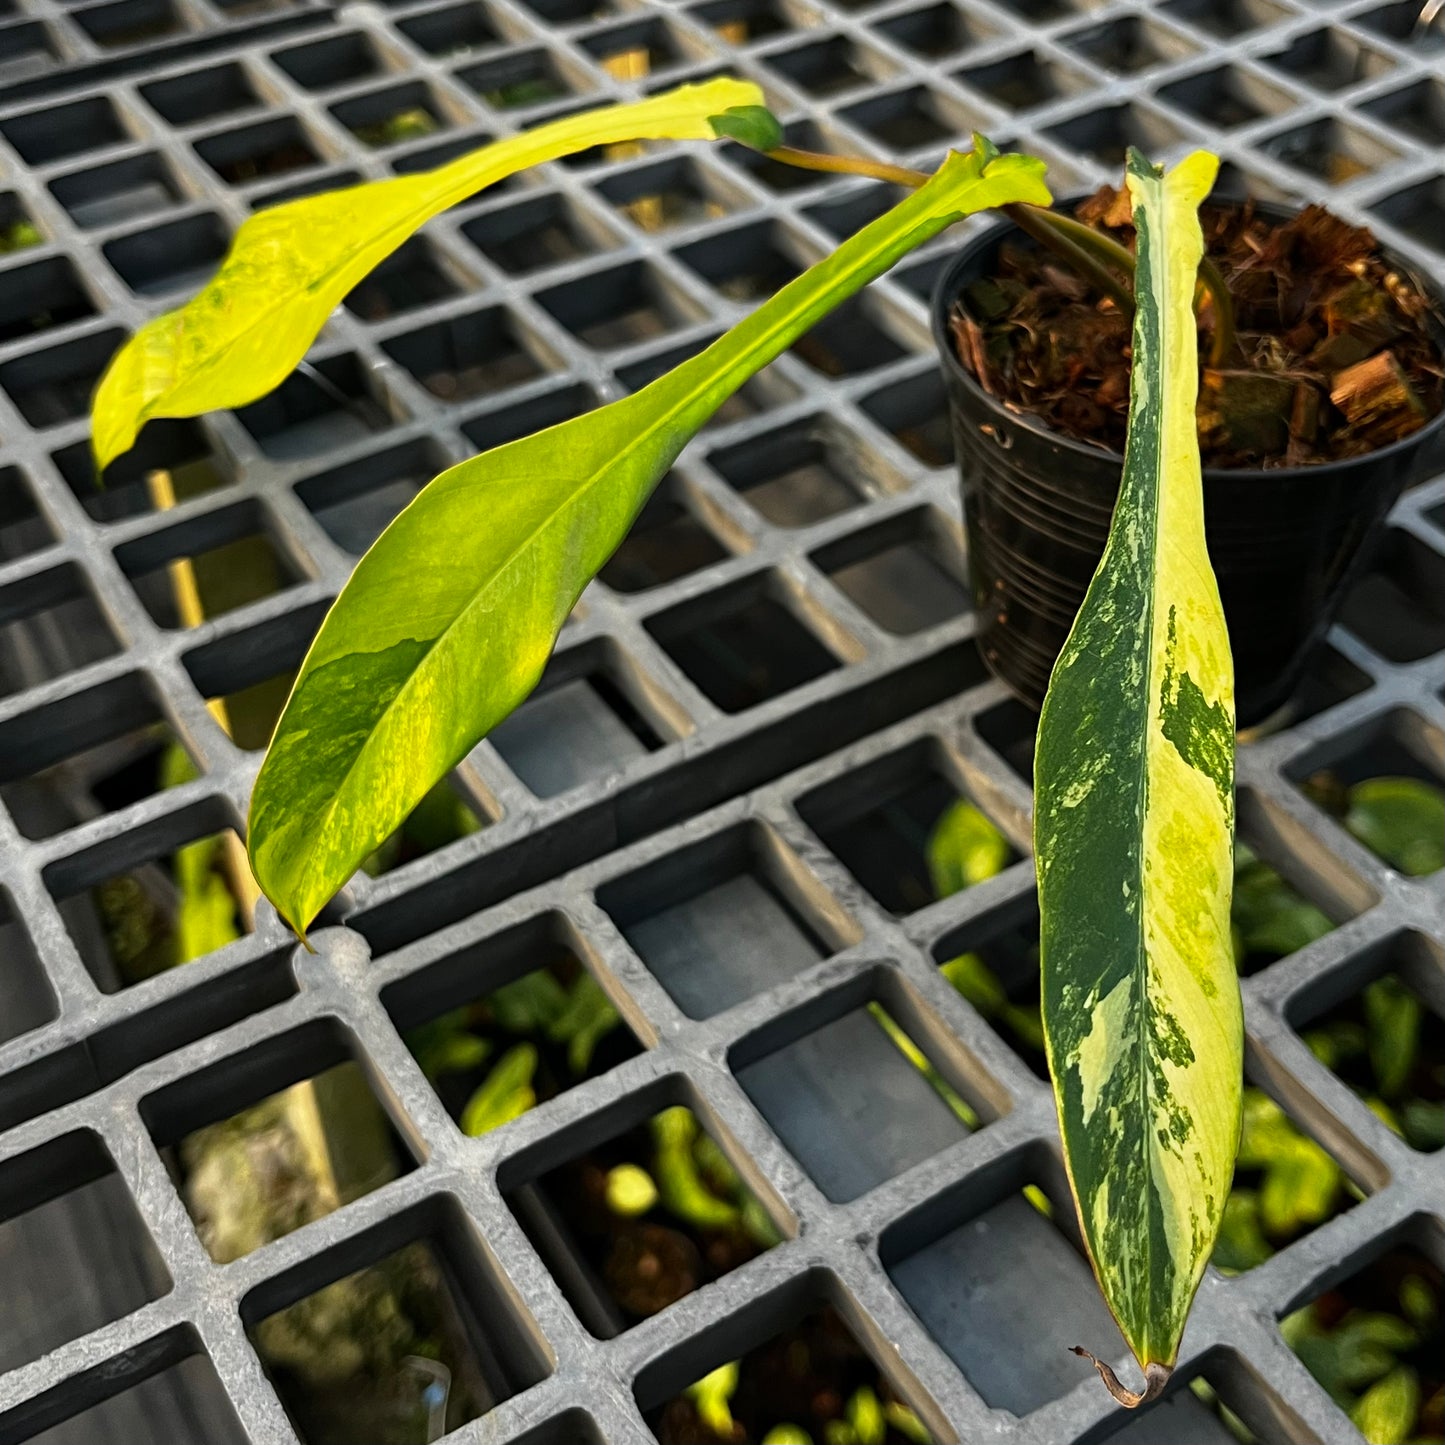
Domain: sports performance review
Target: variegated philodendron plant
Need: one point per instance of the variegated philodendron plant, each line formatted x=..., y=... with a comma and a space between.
x=448, y=621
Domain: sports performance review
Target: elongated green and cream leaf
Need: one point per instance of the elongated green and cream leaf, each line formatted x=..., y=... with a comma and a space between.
x=290, y=266
x=1133, y=828
x=447, y=622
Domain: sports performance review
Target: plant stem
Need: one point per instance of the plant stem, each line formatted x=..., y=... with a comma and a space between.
x=1087, y=251
x=849, y=166
x=1065, y=237
x=1225, y=341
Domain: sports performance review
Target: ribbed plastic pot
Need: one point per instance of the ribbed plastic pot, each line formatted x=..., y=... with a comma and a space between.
x=1285, y=542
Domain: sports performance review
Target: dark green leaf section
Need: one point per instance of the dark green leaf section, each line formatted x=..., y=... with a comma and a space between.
x=448, y=621
x=1202, y=732
x=754, y=126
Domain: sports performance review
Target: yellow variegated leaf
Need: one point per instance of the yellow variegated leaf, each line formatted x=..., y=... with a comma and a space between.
x=1134, y=823
x=290, y=266
x=449, y=619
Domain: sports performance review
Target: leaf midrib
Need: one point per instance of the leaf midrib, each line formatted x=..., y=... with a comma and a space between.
x=1159, y=293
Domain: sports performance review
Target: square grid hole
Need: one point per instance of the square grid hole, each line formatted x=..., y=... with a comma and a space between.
x=1329, y=59
x=1227, y=18
x=536, y=233
x=1393, y=1303
x=1379, y=1025
x=179, y=449
x=620, y=308
x=510, y=1022
x=645, y=1208
x=1398, y=607
x=127, y=190
x=454, y=33
x=297, y=1107
x=1023, y=81
x=159, y=897
x=743, y=645
x=199, y=95
x=203, y=569
x=1384, y=783
x=997, y=1274
x=66, y=1201
x=335, y=61
x=667, y=541
x=854, y=1128
x=592, y=714
x=414, y=276
x=41, y=296
x=259, y=152
x=1418, y=211
x=521, y=80
x=1104, y=135
x=50, y=388
x=726, y=918
x=906, y=830
x=810, y=1367
x=804, y=472
x=906, y=574
x=1418, y=111
x=915, y=413
x=745, y=22
x=829, y=68
x=637, y=50
x=318, y=408
x=22, y=528
x=469, y=356
x=356, y=502
x=938, y=32
x=179, y=256
x=87, y=755
x=130, y=22
x=393, y=116
x=1331, y=150
x=424, y=1272
x=44, y=136
x=170, y=1400
x=1227, y=97
x=1130, y=45
x=670, y=194
x=49, y=625
x=746, y=265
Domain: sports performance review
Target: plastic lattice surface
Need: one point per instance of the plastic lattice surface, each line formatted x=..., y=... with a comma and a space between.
x=750, y=704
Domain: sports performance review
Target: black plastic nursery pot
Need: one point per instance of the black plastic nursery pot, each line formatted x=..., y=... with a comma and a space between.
x=1037, y=505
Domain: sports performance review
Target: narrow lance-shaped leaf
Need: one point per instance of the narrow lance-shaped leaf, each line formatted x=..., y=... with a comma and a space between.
x=1133, y=828
x=290, y=266
x=447, y=622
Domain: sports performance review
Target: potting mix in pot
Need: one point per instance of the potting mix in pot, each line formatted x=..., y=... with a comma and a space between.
x=1334, y=354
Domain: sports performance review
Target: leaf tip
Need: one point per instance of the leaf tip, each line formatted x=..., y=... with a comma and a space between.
x=754, y=126
x=113, y=426
x=1156, y=1377
x=1136, y=163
